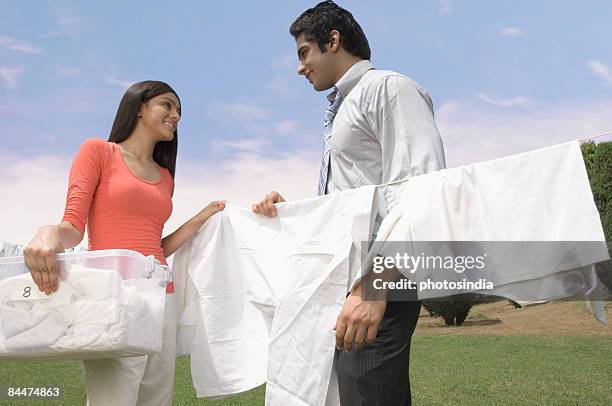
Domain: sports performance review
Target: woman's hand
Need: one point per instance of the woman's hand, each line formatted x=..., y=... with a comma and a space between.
x=39, y=256
x=211, y=209
x=173, y=242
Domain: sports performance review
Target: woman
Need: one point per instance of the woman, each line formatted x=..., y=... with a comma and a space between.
x=122, y=190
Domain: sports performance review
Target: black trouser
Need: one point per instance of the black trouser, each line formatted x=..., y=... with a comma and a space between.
x=378, y=373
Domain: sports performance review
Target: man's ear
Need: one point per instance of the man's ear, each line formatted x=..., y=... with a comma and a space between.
x=334, y=41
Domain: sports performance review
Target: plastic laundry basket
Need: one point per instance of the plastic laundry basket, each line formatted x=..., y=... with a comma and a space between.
x=109, y=303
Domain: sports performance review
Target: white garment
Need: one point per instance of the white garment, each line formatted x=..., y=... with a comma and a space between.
x=542, y=195
x=8, y=269
x=267, y=292
x=38, y=336
x=91, y=315
x=8, y=249
x=384, y=131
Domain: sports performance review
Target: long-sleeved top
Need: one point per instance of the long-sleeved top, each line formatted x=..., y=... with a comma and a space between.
x=121, y=210
x=384, y=131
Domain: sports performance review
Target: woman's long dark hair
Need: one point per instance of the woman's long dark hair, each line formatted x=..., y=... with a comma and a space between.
x=127, y=116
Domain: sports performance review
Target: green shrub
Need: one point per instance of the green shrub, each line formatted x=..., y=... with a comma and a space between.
x=598, y=162
x=453, y=309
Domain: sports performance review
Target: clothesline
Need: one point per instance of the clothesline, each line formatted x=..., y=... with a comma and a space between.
x=595, y=136
x=581, y=141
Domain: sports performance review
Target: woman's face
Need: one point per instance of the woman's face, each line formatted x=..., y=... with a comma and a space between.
x=160, y=116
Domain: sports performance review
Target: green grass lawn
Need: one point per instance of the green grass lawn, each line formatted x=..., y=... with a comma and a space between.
x=445, y=370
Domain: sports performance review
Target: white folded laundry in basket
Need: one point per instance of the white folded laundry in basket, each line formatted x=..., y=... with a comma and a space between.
x=109, y=303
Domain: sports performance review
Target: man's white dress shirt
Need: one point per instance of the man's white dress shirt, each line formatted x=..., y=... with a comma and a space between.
x=384, y=131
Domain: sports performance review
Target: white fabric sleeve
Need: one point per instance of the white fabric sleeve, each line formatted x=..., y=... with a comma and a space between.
x=401, y=116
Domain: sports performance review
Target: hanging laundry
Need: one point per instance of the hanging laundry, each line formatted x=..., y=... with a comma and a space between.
x=532, y=213
x=261, y=296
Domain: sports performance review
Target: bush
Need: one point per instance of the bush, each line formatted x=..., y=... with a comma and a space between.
x=453, y=309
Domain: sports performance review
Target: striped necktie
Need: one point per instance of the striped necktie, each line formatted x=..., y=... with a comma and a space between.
x=328, y=121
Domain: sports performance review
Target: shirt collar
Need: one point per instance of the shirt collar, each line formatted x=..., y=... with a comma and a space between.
x=348, y=81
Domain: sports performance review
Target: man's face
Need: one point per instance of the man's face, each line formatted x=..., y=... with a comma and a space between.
x=316, y=66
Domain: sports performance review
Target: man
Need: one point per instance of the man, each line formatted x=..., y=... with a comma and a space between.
x=378, y=129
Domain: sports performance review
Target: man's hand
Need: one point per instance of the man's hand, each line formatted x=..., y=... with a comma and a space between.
x=358, y=321
x=266, y=206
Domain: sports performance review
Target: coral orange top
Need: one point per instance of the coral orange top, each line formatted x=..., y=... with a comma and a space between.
x=121, y=210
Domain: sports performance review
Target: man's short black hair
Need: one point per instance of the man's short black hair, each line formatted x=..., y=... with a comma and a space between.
x=316, y=23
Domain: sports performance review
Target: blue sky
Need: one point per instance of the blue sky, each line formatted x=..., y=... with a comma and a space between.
x=505, y=77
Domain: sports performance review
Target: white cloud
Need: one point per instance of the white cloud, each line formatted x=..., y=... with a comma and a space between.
x=66, y=33
x=446, y=7
x=124, y=84
x=243, y=180
x=512, y=32
x=68, y=20
x=601, y=70
x=66, y=26
x=12, y=44
x=10, y=75
x=283, y=85
x=38, y=186
x=68, y=72
x=473, y=133
x=240, y=111
x=253, y=145
x=264, y=141
x=111, y=76
x=284, y=63
x=519, y=101
x=284, y=78
x=286, y=127
x=35, y=192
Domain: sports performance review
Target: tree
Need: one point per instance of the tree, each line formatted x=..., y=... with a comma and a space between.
x=598, y=162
